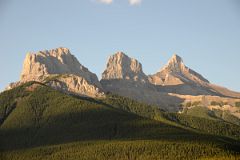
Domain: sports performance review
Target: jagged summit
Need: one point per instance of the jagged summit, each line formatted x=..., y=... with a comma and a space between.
x=175, y=73
x=58, y=51
x=120, y=66
x=55, y=61
x=175, y=59
x=176, y=77
x=175, y=64
x=64, y=71
x=120, y=53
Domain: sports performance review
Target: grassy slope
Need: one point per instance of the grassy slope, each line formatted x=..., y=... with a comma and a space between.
x=50, y=125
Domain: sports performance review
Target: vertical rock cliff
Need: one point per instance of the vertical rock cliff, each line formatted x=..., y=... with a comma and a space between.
x=61, y=70
x=120, y=66
x=175, y=77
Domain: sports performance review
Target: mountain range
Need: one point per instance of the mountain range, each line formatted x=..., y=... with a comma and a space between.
x=172, y=88
x=61, y=110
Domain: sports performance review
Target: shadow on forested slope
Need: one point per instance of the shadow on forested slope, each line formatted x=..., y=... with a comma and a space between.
x=46, y=117
x=99, y=124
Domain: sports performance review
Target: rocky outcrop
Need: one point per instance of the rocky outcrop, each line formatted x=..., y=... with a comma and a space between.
x=215, y=104
x=58, y=63
x=175, y=77
x=120, y=66
x=175, y=73
x=74, y=84
x=39, y=65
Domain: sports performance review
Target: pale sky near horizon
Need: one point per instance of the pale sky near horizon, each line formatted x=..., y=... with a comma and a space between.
x=205, y=33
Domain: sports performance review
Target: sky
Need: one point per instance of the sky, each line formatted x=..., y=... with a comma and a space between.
x=205, y=33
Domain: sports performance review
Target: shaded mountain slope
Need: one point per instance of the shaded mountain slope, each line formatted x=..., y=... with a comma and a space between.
x=50, y=117
x=199, y=118
x=45, y=123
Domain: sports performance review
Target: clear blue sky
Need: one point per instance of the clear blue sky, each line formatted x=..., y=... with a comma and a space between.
x=205, y=33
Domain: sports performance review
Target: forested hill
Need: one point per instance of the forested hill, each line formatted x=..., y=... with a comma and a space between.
x=38, y=122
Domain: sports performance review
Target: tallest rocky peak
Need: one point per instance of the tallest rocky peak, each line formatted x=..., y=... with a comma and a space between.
x=39, y=65
x=57, y=51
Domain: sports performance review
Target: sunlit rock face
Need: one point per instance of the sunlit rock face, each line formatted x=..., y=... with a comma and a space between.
x=175, y=77
x=60, y=69
x=120, y=66
x=175, y=72
x=56, y=61
x=124, y=76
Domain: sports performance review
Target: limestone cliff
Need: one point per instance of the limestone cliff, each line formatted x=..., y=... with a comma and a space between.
x=175, y=72
x=56, y=63
x=120, y=66
x=175, y=77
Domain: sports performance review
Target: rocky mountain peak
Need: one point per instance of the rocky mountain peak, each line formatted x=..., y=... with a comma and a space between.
x=176, y=59
x=64, y=71
x=176, y=73
x=175, y=64
x=55, y=61
x=120, y=54
x=59, y=51
x=120, y=66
